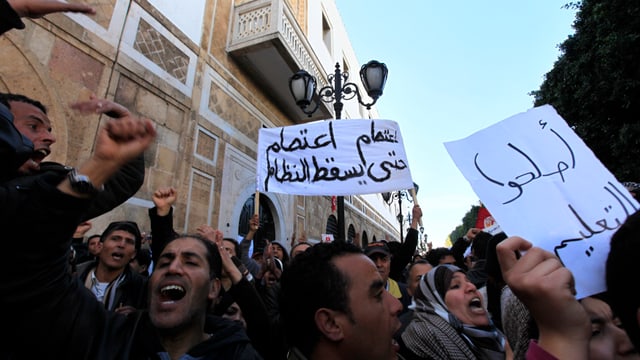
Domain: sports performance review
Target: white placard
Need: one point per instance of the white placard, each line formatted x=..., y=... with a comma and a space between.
x=337, y=157
x=541, y=182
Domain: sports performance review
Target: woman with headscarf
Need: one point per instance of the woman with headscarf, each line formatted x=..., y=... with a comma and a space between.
x=450, y=320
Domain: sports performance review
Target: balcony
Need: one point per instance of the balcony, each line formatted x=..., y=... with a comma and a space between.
x=266, y=40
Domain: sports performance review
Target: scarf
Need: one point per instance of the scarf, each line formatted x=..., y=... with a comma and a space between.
x=393, y=288
x=91, y=283
x=449, y=335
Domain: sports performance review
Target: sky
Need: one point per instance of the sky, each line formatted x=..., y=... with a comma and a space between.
x=455, y=67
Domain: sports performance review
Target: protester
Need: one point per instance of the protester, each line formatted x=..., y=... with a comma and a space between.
x=621, y=265
x=15, y=148
x=334, y=305
x=608, y=339
x=450, y=320
x=415, y=273
x=30, y=118
x=547, y=289
x=381, y=256
x=401, y=256
x=109, y=277
x=440, y=255
x=140, y=264
x=12, y=10
x=254, y=265
x=299, y=248
x=48, y=315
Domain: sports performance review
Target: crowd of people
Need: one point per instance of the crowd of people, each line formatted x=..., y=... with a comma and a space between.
x=126, y=294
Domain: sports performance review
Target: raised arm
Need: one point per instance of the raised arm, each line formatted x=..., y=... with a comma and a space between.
x=129, y=178
x=161, y=217
x=245, y=244
x=12, y=10
x=546, y=288
x=44, y=217
x=38, y=8
x=404, y=255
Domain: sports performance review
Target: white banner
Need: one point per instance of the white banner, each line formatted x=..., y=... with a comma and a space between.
x=541, y=182
x=335, y=157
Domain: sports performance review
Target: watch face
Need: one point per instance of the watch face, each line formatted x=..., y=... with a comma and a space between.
x=81, y=183
x=84, y=185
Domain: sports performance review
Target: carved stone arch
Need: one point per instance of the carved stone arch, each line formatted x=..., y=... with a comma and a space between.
x=22, y=73
x=364, y=241
x=351, y=233
x=332, y=226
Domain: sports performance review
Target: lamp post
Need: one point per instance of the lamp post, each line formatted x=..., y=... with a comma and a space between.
x=398, y=195
x=303, y=88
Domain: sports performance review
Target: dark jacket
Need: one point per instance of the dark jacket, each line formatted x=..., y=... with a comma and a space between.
x=132, y=291
x=15, y=148
x=120, y=187
x=9, y=19
x=243, y=293
x=403, y=255
x=48, y=314
x=406, y=298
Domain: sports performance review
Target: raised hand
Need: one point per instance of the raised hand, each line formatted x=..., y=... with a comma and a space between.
x=547, y=289
x=82, y=229
x=117, y=143
x=207, y=232
x=416, y=216
x=163, y=198
x=38, y=8
x=254, y=223
x=471, y=233
x=228, y=266
x=101, y=106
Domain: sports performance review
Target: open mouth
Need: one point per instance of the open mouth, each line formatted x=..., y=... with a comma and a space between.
x=476, y=303
x=172, y=293
x=39, y=154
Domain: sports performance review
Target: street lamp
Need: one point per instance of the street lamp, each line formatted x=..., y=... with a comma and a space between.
x=303, y=88
x=398, y=195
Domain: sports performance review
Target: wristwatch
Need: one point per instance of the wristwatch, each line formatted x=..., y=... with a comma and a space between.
x=82, y=184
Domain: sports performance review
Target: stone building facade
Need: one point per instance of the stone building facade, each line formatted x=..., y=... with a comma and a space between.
x=210, y=73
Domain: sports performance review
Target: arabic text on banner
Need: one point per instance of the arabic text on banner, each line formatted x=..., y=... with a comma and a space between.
x=541, y=182
x=336, y=157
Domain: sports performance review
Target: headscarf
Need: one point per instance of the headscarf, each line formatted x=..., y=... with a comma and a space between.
x=486, y=342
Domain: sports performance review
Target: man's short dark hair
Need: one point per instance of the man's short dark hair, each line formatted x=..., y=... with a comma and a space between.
x=434, y=256
x=213, y=255
x=479, y=244
x=143, y=257
x=312, y=281
x=5, y=98
x=417, y=262
x=93, y=236
x=128, y=226
x=621, y=266
x=236, y=246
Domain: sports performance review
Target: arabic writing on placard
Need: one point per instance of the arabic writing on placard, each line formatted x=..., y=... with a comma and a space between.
x=358, y=156
x=535, y=172
x=622, y=203
x=540, y=181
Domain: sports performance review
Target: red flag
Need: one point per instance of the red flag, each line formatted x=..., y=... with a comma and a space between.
x=334, y=203
x=484, y=219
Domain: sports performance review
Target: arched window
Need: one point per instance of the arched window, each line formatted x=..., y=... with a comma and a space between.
x=267, y=230
x=364, y=239
x=332, y=226
x=351, y=233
